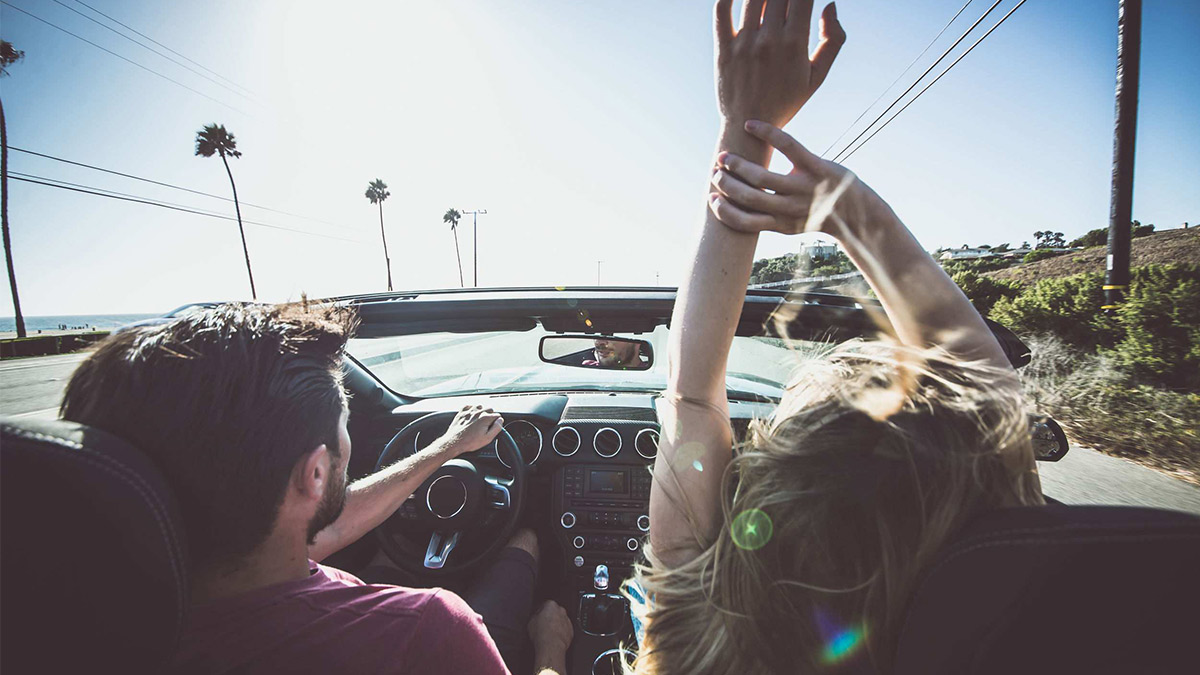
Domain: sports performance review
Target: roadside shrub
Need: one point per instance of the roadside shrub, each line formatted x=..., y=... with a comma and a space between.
x=1160, y=322
x=1040, y=254
x=1100, y=403
x=984, y=292
x=978, y=265
x=1067, y=307
x=1154, y=335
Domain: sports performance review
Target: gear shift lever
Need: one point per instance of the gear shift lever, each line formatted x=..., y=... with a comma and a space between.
x=600, y=577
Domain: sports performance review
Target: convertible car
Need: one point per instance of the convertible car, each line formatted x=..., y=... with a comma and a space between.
x=1053, y=589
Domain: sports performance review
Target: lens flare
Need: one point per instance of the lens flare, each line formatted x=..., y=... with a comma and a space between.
x=840, y=642
x=843, y=645
x=751, y=529
x=697, y=465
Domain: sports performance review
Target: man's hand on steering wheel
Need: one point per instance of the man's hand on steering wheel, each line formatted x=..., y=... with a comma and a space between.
x=472, y=428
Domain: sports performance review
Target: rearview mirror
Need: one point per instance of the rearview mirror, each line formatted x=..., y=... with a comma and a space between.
x=596, y=351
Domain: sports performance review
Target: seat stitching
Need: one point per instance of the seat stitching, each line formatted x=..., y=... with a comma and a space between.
x=157, y=508
x=173, y=536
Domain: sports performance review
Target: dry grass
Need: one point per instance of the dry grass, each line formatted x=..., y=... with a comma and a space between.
x=1098, y=405
x=1168, y=246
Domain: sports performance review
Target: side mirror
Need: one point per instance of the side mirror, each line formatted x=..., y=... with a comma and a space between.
x=596, y=351
x=1049, y=440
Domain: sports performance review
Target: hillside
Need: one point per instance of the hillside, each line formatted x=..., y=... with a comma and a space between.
x=1168, y=246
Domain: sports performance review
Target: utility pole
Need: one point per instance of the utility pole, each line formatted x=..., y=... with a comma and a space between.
x=475, y=227
x=598, y=271
x=1129, y=47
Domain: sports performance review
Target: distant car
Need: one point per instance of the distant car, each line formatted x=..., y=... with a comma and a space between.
x=173, y=314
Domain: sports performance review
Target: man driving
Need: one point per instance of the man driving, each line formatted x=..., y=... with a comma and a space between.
x=242, y=409
x=615, y=355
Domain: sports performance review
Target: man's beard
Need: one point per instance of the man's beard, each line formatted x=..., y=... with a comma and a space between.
x=332, y=503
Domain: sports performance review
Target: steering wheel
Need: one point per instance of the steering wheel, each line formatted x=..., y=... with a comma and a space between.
x=453, y=505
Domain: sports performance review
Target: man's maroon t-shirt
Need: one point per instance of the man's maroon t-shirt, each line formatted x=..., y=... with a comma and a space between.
x=332, y=622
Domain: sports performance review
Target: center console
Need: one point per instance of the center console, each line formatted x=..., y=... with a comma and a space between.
x=600, y=501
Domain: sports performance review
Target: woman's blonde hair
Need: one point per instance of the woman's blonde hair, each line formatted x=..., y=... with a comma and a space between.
x=875, y=457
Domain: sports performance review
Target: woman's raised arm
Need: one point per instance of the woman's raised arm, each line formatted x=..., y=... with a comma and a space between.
x=763, y=71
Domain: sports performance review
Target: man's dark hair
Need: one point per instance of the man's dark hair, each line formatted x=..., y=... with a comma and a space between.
x=225, y=401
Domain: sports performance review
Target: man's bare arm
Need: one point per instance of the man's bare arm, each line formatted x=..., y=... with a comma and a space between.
x=372, y=499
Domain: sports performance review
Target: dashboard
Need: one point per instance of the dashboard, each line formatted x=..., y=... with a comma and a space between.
x=590, y=457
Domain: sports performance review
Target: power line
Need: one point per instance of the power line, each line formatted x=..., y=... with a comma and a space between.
x=955, y=62
x=179, y=187
x=889, y=87
x=74, y=187
x=127, y=60
x=200, y=65
x=148, y=47
x=918, y=80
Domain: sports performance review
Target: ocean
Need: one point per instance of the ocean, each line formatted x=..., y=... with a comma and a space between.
x=95, y=321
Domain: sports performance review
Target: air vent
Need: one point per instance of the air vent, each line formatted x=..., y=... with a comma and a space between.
x=565, y=441
x=600, y=412
x=646, y=443
x=607, y=442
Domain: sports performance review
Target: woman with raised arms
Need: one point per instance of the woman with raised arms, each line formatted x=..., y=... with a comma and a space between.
x=797, y=553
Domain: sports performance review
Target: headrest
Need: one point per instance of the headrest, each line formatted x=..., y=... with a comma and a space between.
x=94, y=571
x=1059, y=589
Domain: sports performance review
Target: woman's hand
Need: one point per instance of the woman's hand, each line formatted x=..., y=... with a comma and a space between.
x=749, y=198
x=763, y=70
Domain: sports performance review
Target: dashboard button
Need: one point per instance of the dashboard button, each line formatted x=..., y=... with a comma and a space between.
x=631, y=544
x=643, y=523
x=579, y=541
x=567, y=520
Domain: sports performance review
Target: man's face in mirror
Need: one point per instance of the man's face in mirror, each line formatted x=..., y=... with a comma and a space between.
x=617, y=354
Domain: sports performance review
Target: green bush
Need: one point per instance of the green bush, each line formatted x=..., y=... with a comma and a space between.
x=979, y=265
x=1154, y=335
x=983, y=291
x=1099, y=237
x=1160, y=322
x=1068, y=307
x=1040, y=254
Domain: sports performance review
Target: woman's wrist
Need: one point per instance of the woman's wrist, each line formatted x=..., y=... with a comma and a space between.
x=734, y=138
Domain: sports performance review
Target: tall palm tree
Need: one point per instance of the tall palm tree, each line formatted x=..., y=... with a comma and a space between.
x=377, y=192
x=8, y=56
x=452, y=217
x=213, y=139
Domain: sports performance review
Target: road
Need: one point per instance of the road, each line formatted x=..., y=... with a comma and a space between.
x=32, y=388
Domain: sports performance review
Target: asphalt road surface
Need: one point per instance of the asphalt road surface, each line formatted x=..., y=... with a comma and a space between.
x=32, y=388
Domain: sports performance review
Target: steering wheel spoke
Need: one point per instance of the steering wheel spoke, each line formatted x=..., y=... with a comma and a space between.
x=498, y=495
x=440, y=546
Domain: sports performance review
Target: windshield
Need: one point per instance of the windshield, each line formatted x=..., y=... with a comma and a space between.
x=449, y=364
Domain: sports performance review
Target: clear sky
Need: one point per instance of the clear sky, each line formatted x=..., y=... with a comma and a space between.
x=584, y=128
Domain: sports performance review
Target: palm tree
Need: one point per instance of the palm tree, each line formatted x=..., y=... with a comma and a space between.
x=452, y=217
x=377, y=192
x=8, y=56
x=213, y=139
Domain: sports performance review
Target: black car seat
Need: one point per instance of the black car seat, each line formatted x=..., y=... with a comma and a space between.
x=1060, y=589
x=94, y=575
